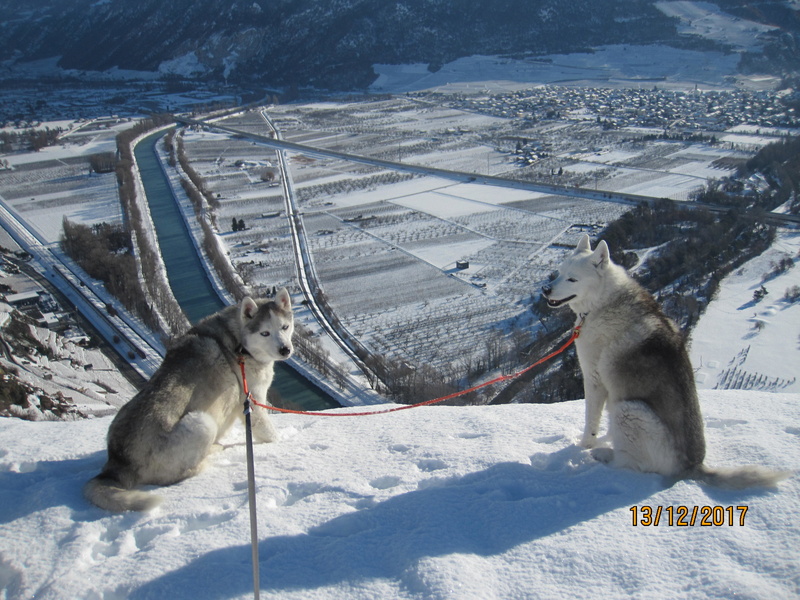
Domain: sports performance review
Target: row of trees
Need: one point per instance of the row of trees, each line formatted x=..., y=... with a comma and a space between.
x=161, y=304
x=28, y=139
x=103, y=162
x=104, y=251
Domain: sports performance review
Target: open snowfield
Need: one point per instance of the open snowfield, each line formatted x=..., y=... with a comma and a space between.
x=461, y=503
x=740, y=343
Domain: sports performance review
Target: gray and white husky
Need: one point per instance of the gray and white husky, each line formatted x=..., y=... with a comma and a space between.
x=165, y=432
x=634, y=362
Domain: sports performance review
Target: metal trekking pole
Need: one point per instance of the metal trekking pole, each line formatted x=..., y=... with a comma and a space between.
x=251, y=491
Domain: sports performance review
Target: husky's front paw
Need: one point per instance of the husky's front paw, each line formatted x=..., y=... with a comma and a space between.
x=603, y=455
x=589, y=440
x=263, y=430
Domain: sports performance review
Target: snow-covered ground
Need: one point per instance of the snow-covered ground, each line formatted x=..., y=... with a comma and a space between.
x=454, y=503
x=707, y=20
x=433, y=503
x=86, y=377
x=742, y=343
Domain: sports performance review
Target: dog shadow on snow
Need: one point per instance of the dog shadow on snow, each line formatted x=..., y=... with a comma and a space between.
x=484, y=513
x=37, y=486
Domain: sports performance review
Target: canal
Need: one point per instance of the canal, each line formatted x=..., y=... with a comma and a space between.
x=189, y=281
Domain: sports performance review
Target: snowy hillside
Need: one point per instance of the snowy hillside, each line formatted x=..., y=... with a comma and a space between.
x=434, y=503
x=743, y=344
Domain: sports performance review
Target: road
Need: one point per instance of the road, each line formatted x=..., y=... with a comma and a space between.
x=307, y=275
x=129, y=338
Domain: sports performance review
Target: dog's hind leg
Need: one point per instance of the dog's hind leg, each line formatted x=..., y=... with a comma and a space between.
x=640, y=440
x=180, y=453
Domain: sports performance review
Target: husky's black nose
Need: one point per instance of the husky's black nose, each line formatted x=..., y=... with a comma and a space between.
x=547, y=290
x=285, y=351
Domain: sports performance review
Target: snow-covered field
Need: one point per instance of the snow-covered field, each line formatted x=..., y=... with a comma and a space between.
x=46, y=186
x=743, y=344
x=461, y=503
x=386, y=247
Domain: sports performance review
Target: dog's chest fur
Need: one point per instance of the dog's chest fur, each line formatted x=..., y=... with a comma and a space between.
x=622, y=323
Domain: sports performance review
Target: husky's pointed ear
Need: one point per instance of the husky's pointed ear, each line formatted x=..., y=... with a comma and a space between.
x=248, y=308
x=601, y=256
x=583, y=245
x=283, y=299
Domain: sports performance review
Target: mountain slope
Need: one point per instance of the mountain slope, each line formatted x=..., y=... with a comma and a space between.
x=328, y=43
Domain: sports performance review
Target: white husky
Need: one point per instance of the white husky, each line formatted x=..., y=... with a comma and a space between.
x=634, y=362
x=164, y=433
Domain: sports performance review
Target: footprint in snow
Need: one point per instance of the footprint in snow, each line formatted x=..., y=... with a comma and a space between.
x=385, y=482
x=431, y=464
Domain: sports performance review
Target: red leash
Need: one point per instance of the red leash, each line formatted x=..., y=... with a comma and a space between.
x=575, y=333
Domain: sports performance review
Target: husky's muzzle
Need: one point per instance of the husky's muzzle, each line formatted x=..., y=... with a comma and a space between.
x=547, y=290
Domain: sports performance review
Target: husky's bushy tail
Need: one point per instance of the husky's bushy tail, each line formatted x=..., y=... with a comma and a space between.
x=739, y=478
x=109, y=494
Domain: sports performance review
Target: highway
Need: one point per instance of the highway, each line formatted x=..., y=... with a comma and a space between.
x=129, y=338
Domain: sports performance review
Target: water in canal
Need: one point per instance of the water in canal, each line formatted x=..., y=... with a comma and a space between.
x=190, y=284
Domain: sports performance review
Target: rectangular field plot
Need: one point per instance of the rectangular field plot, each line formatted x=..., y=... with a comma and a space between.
x=44, y=196
x=443, y=204
x=447, y=333
x=372, y=279
x=514, y=225
x=443, y=253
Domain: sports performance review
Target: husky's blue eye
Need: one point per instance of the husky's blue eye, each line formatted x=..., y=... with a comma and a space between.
x=265, y=333
x=285, y=327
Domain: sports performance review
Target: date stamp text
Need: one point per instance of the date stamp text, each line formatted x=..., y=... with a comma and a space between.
x=688, y=516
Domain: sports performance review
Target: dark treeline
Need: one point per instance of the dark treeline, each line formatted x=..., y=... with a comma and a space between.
x=28, y=139
x=779, y=163
x=103, y=162
x=104, y=252
x=696, y=250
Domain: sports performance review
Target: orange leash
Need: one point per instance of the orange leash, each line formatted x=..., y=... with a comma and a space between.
x=575, y=333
